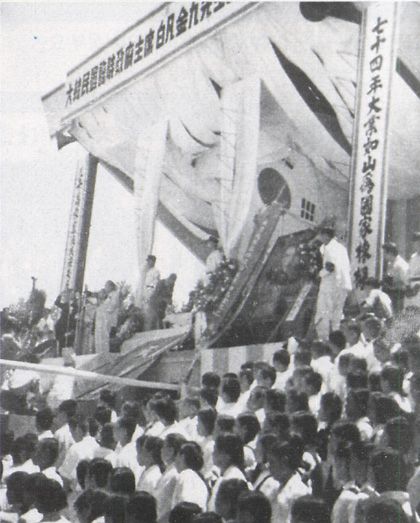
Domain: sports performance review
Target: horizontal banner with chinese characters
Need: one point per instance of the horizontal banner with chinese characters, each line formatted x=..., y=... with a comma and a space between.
x=164, y=32
x=370, y=147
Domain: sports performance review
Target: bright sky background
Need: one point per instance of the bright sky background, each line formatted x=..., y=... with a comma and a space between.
x=40, y=42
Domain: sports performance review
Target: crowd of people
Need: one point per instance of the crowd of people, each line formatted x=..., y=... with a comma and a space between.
x=327, y=431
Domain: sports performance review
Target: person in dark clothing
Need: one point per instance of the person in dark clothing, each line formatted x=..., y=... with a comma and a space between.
x=66, y=324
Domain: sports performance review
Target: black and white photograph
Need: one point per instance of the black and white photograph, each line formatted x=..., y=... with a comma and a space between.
x=210, y=262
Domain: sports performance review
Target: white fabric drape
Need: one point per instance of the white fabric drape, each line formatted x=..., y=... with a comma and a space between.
x=148, y=173
x=238, y=159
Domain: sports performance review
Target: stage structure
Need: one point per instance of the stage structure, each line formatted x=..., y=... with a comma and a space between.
x=249, y=121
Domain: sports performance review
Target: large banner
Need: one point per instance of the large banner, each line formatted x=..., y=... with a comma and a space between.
x=370, y=145
x=166, y=31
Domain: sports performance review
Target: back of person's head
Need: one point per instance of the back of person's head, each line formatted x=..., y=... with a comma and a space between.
x=210, y=380
x=302, y=357
x=184, y=512
x=267, y=375
x=289, y=452
x=393, y=377
x=231, y=389
x=81, y=472
x=296, y=400
x=399, y=434
x=357, y=403
x=108, y=397
x=248, y=365
x=153, y=445
x=313, y=382
x=15, y=484
x=114, y=509
x=338, y=339
x=90, y=504
x=257, y=396
x=122, y=481
x=247, y=375
x=68, y=407
x=386, y=511
x=306, y=425
x=275, y=400
x=44, y=419
x=320, y=348
x=357, y=380
x=383, y=407
x=207, y=517
x=389, y=470
x=253, y=507
x=277, y=423
x=193, y=455
x=141, y=508
x=358, y=364
x=309, y=509
x=47, y=452
x=346, y=431
x=400, y=358
x=354, y=331
x=265, y=442
x=102, y=414
x=248, y=425
x=106, y=436
x=209, y=396
x=231, y=446
x=165, y=409
x=227, y=497
x=131, y=409
x=128, y=424
x=99, y=472
x=207, y=417
x=19, y=450
x=281, y=357
x=372, y=328
x=50, y=497
x=331, y=406
x=6, y=442
x=225, y=423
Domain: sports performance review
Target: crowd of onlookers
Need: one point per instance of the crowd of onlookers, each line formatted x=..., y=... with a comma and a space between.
x=326, y=431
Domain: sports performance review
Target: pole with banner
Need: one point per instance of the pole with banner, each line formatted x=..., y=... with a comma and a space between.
x=369, y=167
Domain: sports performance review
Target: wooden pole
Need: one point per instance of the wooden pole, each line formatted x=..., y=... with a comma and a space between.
x=87, y=375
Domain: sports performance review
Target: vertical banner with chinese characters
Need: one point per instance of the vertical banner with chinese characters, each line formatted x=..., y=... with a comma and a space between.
x=371, y=136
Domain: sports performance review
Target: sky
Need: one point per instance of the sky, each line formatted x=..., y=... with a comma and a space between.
x=40, y=42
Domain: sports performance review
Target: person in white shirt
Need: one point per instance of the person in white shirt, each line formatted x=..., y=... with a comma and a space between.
x=265, y=374
x=188, y=409
x=126, y=449
x=412, y=298
x=43, y=422
x=151, y=279
x=349, y=495
x=335, y=284
x=312, y=384
x=227, y=498
x=261, y=477
x=107, y=398
x=281, y=363
x=228, y=455
x=205, y=428
x=256, y=403
x=165, y=487
x=247, y=427
x=22, y=451
x=321, y=363
x=284, y=460
x=46, y=458
x=215, y=258
x=396, y=275
x=392, y=379
x=107, y=445
x=246, y=378
x=149, y=458
x=66, y=410
x=231, y=390
x=84, y=448
x=356, y=409
x=190, y=486
x=376, y=300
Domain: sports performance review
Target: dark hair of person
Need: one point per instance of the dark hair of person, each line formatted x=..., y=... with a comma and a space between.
x=82, y=469
x=259, y=393
x=302, y=357
x=68, y=407
x=373, y=324
x=6, y=442
x=131, y=409
x=400, y=358
x=278, y=423
x=107, y=438
x=338, y=339
x=225, y=423
x=362, y=450
x=386, y=511
x=314, y=380
x=207, y=416
x=92, y=500
x=141, y=507
x=102, y=414
x=358, y=364
x=357, y=380
x=296, y=400
x=122, y=481
x=389, y=470
x=210, y=396
x=384, y=407
x=114, y=509
x=320, y=348
x=248, y=374
x=100, y=471
x=400, y=434
x=207, y=517
x=248, y=365
x=231, y=445
x=361, y=400
x=153, y=445
x=16, y=485
x=275, y=400
x=184, y=512
x=346, y=430
x=268, y=373
x=108, y=397
x=50, y=448
x=374, y=382
x=306, y=425
x=267, y=440
x=175, y=441
x=282, y=357
x=354, y=327
x=231, y=388
x=230, y=490
x=23, y=449
x=309, y=509
x=165, y=409
x=332, y=405
x=254, y=502
x=249, y=422
x=128, y=424
x=44, y=419
x=193, y=455
x=210, y=380
x=50, y=497
x=394, y=376
x=290, y=452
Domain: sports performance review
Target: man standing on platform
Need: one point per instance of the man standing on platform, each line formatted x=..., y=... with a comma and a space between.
x=413, y=291
x=335, y=284
x=151, y=281
x=395, y=281
x=214, y=259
